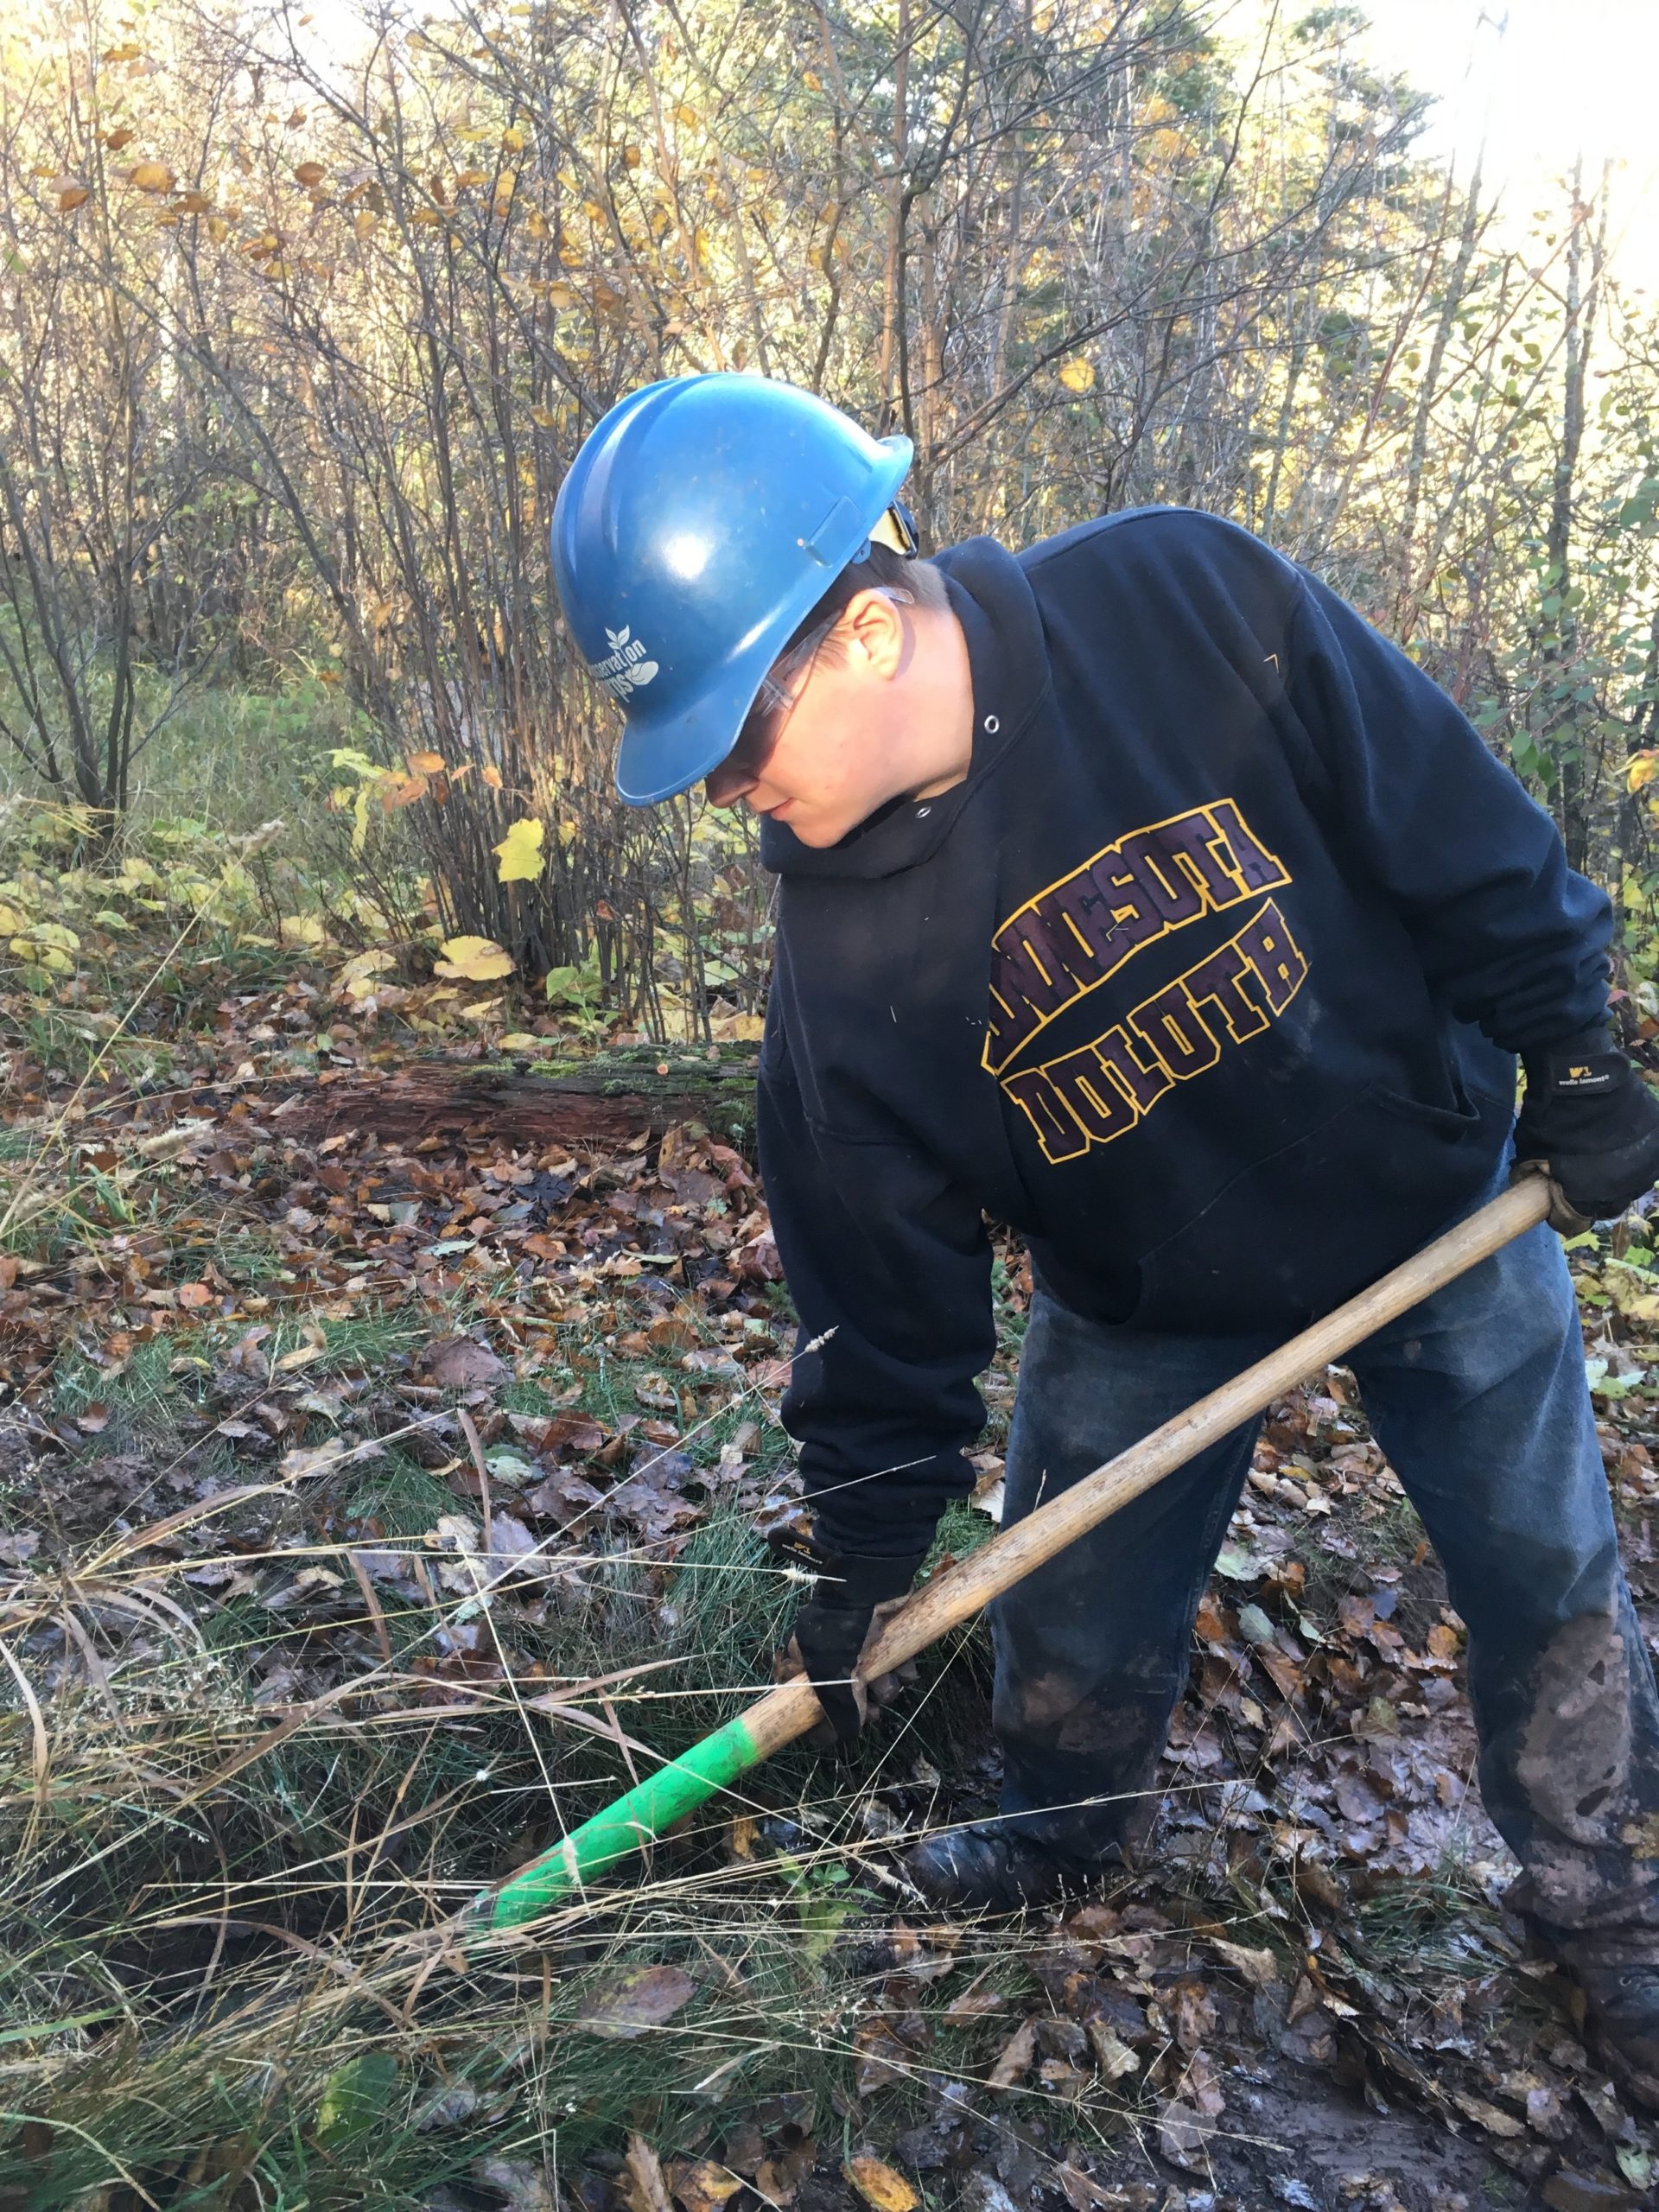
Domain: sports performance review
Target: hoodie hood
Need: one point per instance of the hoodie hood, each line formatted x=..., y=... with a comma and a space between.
x=1007, y=656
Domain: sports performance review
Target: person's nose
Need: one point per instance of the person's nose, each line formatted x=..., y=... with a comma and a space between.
x=726, y=785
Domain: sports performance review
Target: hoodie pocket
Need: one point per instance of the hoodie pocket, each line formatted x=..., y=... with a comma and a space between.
x=1294, y=1234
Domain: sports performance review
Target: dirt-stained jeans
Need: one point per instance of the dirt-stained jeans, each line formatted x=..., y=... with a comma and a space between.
x=1478, y=1398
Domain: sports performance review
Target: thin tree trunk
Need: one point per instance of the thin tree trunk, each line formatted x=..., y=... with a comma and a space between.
x=893, y=288
x=1562, y=638
x=1451, y=304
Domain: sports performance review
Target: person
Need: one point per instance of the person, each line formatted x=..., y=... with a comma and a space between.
x=1133, y=892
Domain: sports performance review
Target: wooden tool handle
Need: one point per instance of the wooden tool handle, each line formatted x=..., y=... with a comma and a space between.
x=960, y=1593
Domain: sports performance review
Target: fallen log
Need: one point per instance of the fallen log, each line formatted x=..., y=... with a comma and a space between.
x=609, y=1101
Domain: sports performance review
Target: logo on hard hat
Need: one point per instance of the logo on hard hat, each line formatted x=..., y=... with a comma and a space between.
x=625, y=668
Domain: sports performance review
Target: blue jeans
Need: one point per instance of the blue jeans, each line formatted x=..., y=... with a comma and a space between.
x=1477, y=1397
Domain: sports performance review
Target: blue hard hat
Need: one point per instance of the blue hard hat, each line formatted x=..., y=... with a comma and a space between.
x=703, y=518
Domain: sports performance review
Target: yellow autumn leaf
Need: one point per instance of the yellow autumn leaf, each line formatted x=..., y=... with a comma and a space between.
x=310, y=173
x=519, y=853
x=424, y=764
x=471, y=960
x=151, y=176
x=1078, y=375
x=465, y=179
x=491, y=775
x=357, y=979
x=687, y=116
x=512, y=139
x=53, y=935
x=882, y=2189
x=117, y=139
x=705, y=2186
x=544, y=418
x=1643, y=770
x=71, y=192
x=364, y=221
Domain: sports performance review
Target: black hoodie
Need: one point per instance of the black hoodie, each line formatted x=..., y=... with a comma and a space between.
x=1208, y=979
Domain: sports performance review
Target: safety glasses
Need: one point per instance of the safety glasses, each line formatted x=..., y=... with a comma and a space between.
x=776, y=700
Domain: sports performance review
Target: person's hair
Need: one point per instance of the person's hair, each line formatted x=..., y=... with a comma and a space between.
x=882, y=567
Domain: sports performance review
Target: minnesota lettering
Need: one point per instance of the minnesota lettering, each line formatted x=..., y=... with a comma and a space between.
x=1101, y=1090
x=1067, y=940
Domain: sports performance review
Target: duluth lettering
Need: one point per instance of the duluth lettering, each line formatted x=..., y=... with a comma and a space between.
x=1068, y=940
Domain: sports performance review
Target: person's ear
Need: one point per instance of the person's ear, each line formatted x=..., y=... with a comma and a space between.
x=877, y=634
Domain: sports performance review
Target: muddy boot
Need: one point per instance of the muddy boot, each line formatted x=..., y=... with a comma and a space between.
x=1621, y=2012
x=986, y=1869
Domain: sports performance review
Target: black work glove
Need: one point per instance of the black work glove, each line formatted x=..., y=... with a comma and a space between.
x=1590, y=1116
x=833, y=1623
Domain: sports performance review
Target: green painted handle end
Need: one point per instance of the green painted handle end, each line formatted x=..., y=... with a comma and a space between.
x=632, y=1821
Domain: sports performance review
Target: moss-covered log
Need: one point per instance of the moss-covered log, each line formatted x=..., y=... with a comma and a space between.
x=607, y=1101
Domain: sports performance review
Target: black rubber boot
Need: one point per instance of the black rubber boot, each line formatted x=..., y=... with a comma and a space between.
x=986, y=1868
x=1621, y=2018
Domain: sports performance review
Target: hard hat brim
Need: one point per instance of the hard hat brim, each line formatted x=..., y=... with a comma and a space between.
x=662, y=755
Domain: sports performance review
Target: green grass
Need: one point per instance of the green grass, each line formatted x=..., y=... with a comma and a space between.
x=123, y=1863
x=400, y=1497
x=146, y=1392
x=234, y=756
x=1437, y=1924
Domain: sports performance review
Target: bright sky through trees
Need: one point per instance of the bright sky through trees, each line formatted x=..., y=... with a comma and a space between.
x=1541, y=84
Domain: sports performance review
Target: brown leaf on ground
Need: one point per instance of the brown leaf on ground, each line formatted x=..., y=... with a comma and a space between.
x=974, y=2003
x=1259, y=1967
x=1192, y=2011
x=461, y=1362
x=1014, y=2061
x=1503, y=2124
x=1182, y=2136
x=561, y=1497
x=1112, y=2054
x=1082, y=2194
x=881, y=2057
x=569, y=1431
x=701, y=2184
x=882, y=2189
x=647, y=2189
x=636, y=2002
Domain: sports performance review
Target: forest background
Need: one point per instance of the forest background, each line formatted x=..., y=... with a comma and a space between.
x=330, y=1448
x=305, y=315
